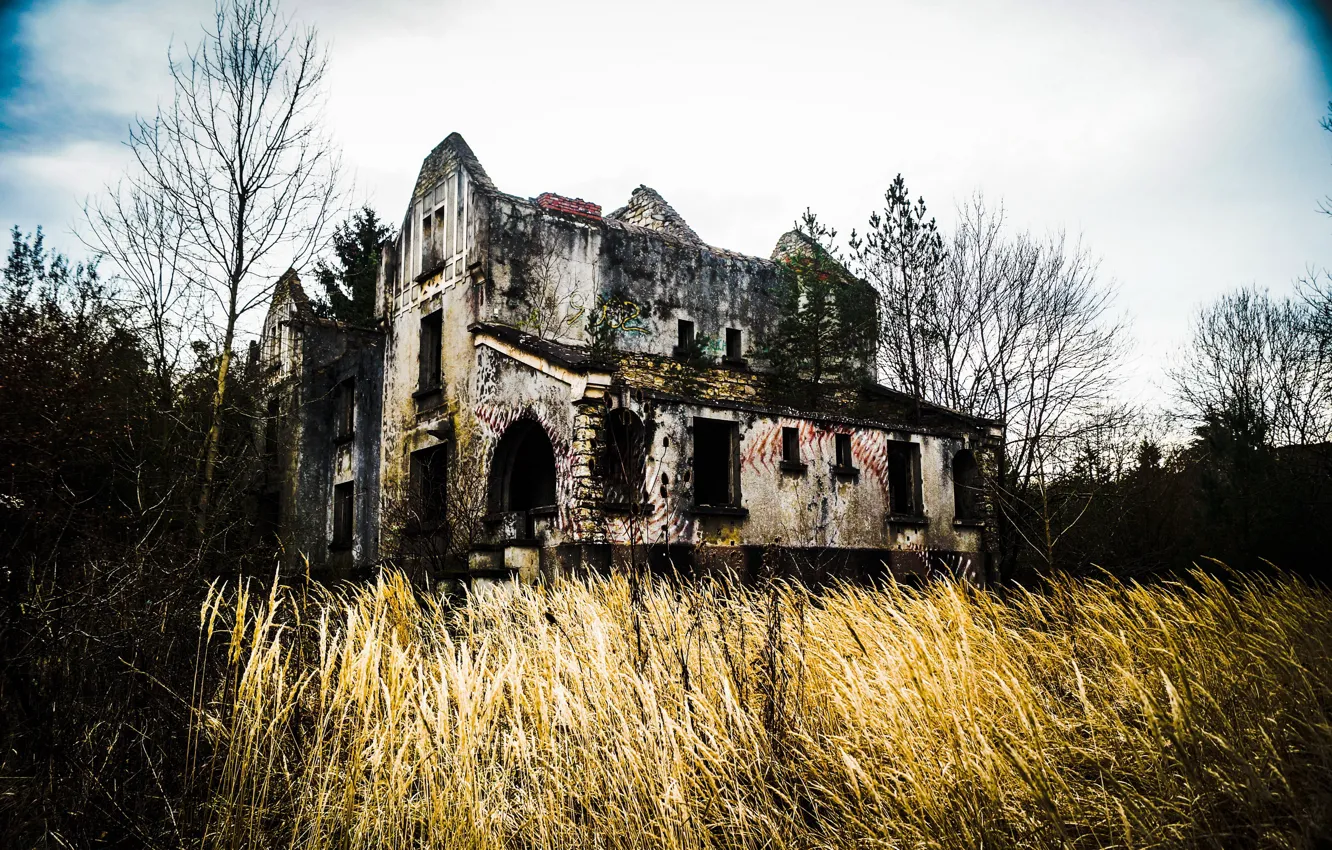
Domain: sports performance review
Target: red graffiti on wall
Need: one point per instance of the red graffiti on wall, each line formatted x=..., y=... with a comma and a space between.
x=763, y=450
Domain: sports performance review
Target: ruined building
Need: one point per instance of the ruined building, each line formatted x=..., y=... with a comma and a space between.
x=552, y=389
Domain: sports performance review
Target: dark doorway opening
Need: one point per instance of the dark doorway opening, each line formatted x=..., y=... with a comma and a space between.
x=716, y=463
x=904, y=478
x=344, y=515
x=966, y=487
x=430, y=475
x=269, y=517
x=522, y=476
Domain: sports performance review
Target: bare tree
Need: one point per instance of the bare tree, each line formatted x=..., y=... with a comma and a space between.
x=1260, y=362
x=239, y=159
x=140, y=235
x=1020, y=330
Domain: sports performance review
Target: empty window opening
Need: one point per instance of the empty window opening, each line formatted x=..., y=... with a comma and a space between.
x=522, y=475
x=269, y=516
x=443, y=232
x=427, y=243
x=904, y=478
x=271, y=431
x=734, y=348
x=405, y=243
x=429, y=482
x=623, y=458
x=842, y=444
x=346, y=409
x=459, y=212
x=716, y=463
x=684, y=336
x=439, y=227
x=966, y=487
x=791, y=445
x=344, y=514
x=431, y=353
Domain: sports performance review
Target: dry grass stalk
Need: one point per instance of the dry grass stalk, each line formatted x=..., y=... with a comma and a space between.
x=1095, y=715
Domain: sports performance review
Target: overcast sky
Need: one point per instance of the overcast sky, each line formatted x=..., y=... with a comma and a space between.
x=1179, y=140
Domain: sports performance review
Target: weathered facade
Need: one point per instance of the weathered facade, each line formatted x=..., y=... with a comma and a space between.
x=552, y=389
x=321, y=435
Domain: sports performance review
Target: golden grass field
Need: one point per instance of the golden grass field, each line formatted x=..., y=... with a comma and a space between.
x=605, y=714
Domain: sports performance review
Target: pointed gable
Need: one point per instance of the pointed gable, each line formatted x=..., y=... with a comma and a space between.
x=794, y=244
x=437, y=163
x=647, y=208
x=289, y=297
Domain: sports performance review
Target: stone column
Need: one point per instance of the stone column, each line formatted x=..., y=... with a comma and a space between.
x=589, y=521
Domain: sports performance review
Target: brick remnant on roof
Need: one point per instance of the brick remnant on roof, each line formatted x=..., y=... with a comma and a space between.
x=647, y=208
x=573, y=206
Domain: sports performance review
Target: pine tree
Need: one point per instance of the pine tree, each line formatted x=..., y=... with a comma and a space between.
x=902, y=255
x=826, y=331
x=349, y=287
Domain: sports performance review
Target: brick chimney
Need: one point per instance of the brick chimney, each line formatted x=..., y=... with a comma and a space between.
x=573, y=206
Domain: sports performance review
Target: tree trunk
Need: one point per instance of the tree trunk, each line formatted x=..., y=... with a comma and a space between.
x=213, y=442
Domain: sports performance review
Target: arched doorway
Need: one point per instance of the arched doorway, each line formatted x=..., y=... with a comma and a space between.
x=522, y=475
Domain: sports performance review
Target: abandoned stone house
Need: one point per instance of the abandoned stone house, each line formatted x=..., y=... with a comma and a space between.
x=550, y=388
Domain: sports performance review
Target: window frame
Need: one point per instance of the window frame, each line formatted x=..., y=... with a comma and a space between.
x=733, y=506
x=791, y=457
x=686, y=338
x=735, y=346
x=843, y=457
x=968, y=505
x=430, y=379
x=912, y=451
x=345, y=411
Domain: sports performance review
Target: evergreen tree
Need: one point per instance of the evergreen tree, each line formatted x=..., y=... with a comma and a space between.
x=349, y=286
x=902, y=254
x=826, y=330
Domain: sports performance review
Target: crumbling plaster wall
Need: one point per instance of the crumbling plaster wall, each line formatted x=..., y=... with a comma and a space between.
x=649, y=281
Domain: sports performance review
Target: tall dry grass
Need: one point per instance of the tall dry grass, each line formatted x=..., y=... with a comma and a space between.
x=586, y=715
